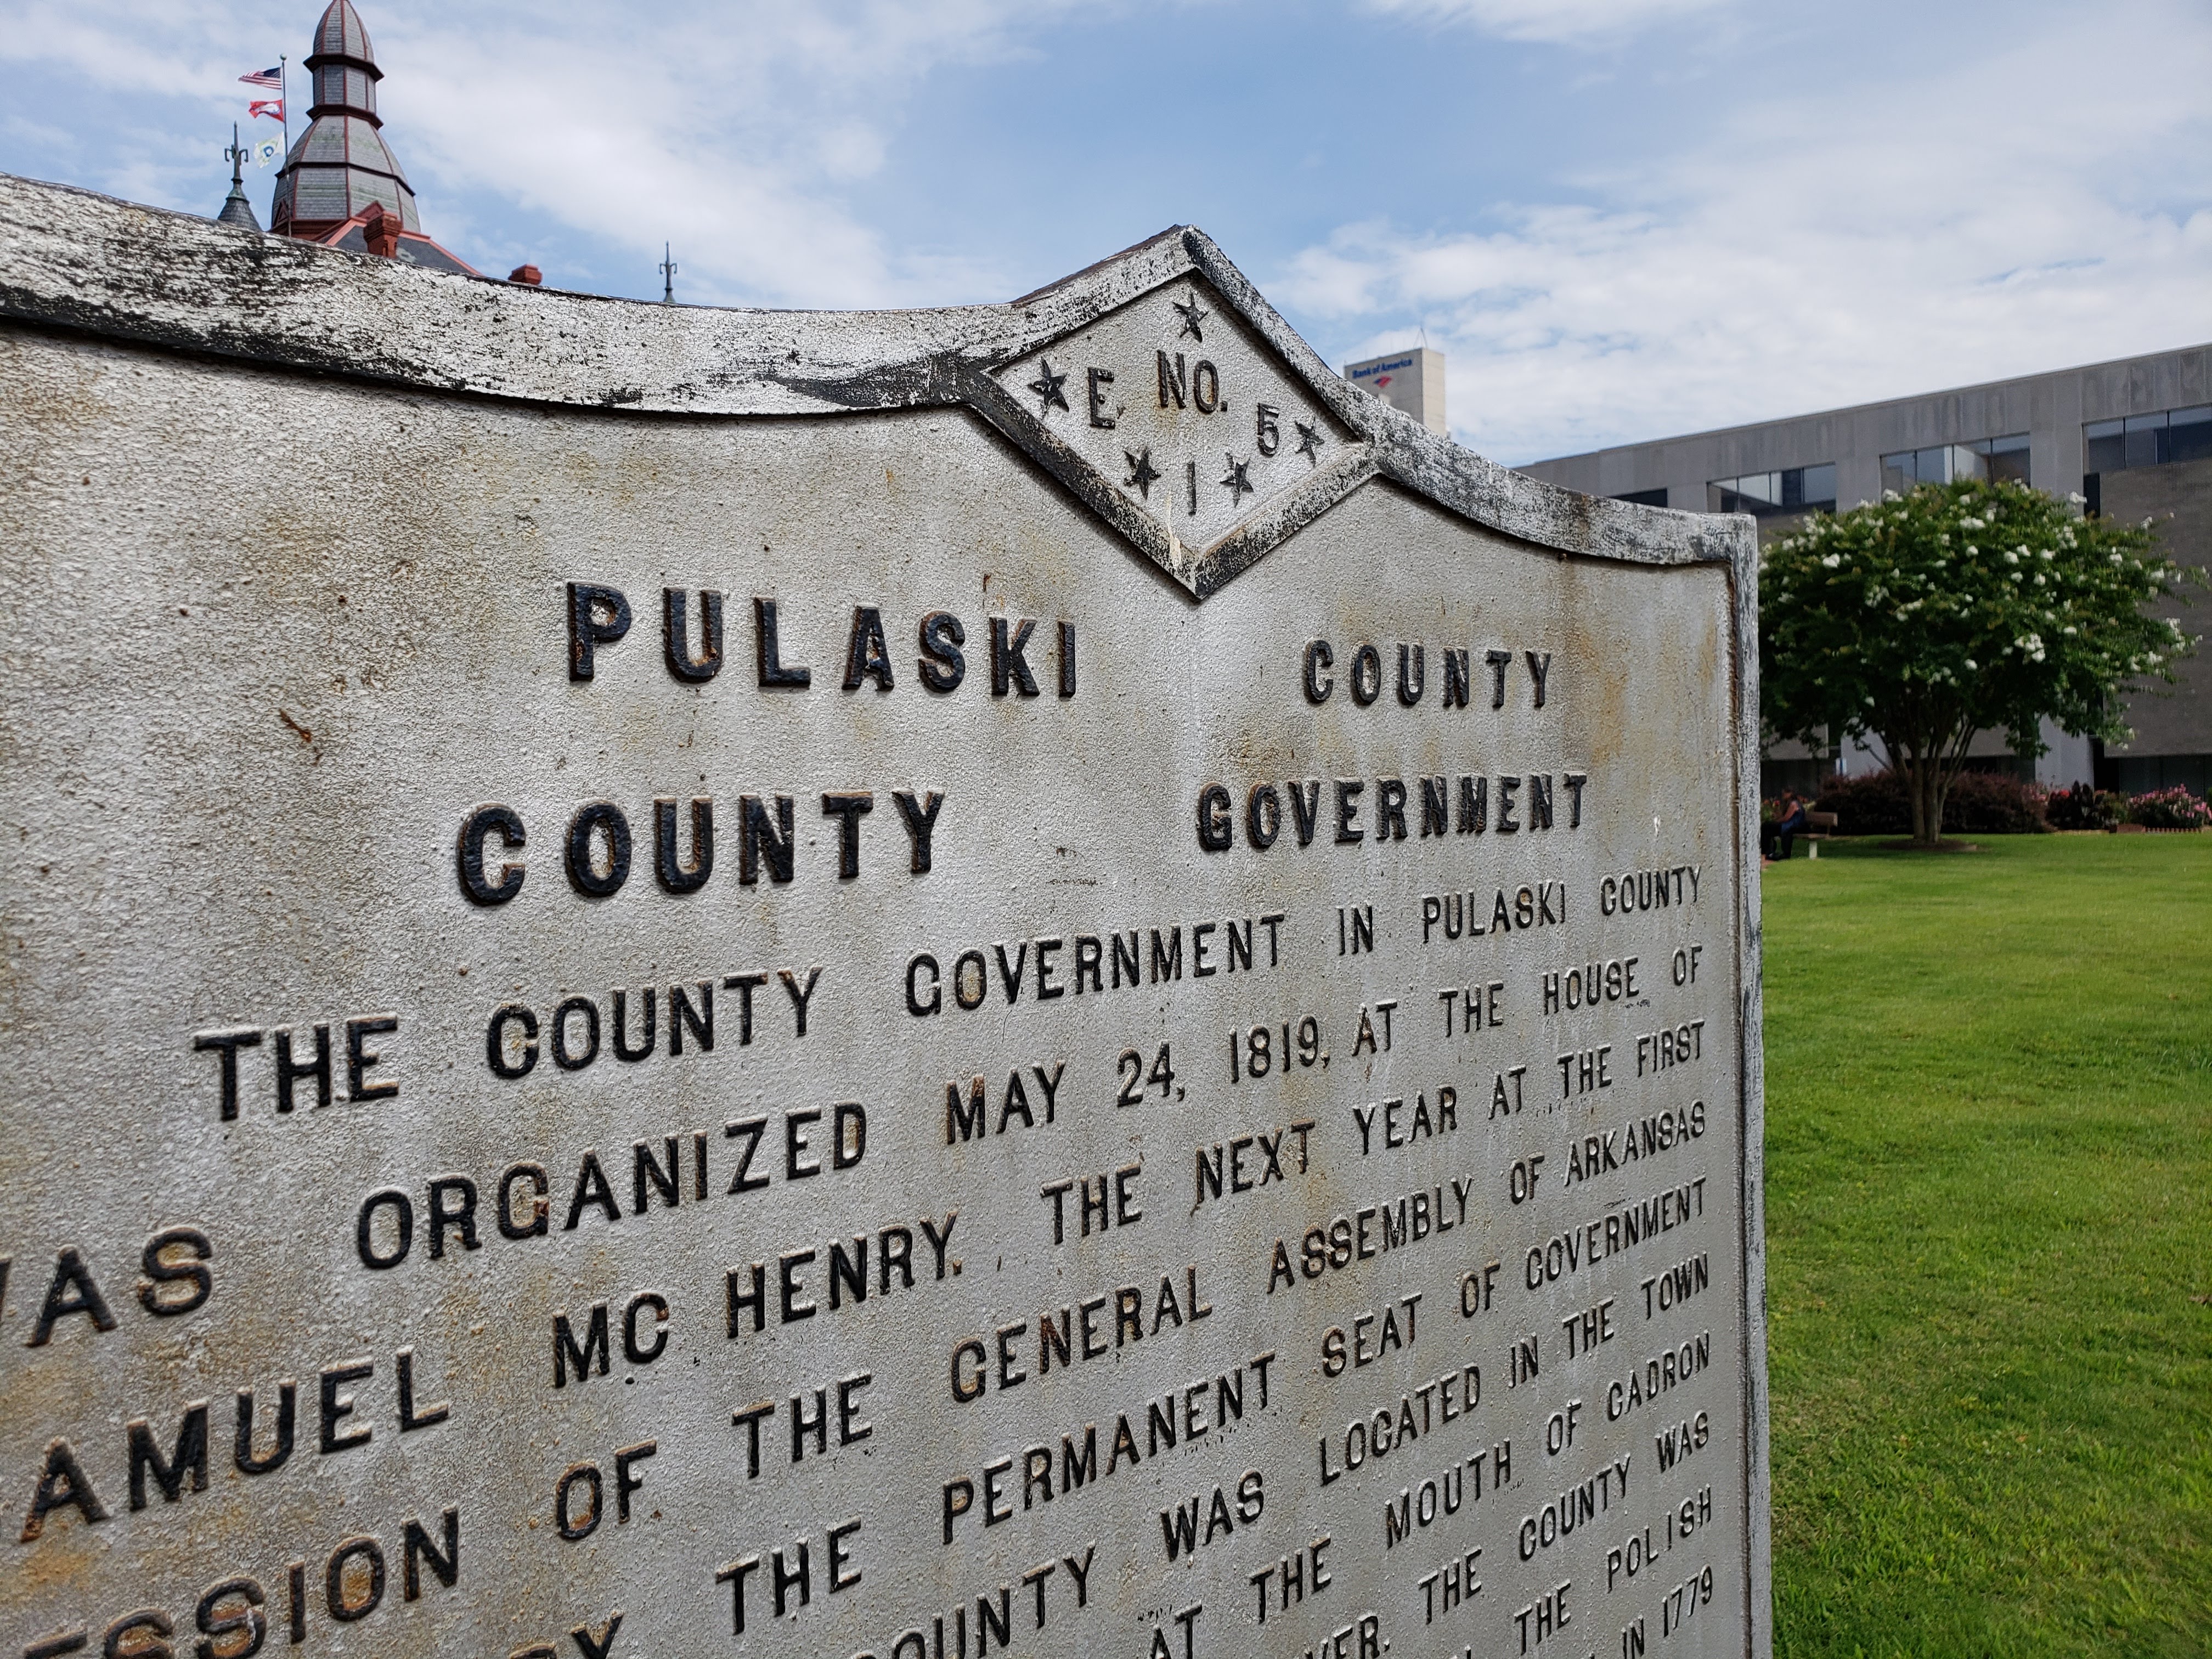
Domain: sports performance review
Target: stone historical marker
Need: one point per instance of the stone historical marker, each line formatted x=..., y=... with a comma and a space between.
x=1013, y=980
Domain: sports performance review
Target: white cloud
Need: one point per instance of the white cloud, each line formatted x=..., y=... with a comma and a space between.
x=727, y=129
x=1952, y=223
x=1566, y=22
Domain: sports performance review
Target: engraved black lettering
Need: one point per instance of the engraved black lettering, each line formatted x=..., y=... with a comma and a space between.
x=597, y=617
x=758, y=839
x=1010, y=668
x=603, y=820
x=942, y=667
x=676, y=640
x=242, y=1452
x=671, y=873
x=775, y=674
x=225, y=1045
x=848, y=810
x=61, y=1483
x=867, y=654
x=290, y=1070
x=1318, y=685
x=188, y=1457
x=336, y=1407
x=478, y=827
x=163, y=1265
x=416, y=1548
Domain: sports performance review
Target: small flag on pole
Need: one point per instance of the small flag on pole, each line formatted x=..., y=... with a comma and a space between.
x=271, y=107
x=268, y=78
x=265, y=151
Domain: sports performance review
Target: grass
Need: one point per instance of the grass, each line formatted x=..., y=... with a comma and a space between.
x=1989, y=1248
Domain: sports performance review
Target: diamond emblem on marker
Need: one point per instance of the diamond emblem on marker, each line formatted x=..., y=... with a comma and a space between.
x=1176, y=387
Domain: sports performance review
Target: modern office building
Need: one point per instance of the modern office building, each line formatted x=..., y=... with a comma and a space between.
x=2133, y=437
x=1411, y=381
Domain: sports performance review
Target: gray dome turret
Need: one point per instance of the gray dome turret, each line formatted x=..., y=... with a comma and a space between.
x=341, y=163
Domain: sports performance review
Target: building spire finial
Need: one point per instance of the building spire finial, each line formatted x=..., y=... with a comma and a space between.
x=236, y=210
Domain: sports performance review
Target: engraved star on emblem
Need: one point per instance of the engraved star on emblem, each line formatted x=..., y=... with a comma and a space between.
x=1237, y=483
x=1142, y=473
x=1047, y=386
x=1192, y=315
x=1309, y=442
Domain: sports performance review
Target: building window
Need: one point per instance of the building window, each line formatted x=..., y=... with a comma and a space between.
x=2178, y=434
x=1995, y=460
x=1770, y=495
x=1643, y=497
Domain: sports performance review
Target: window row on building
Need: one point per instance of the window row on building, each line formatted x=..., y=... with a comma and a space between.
x=2176, y=434
x=1994, y=460
x=1792, y=490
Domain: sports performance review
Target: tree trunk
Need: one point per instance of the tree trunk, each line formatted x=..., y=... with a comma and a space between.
x=1918, y=771
x=1928, y=825
x=1927, y=760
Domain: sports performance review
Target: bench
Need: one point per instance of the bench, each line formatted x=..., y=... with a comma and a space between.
x=1819, y=827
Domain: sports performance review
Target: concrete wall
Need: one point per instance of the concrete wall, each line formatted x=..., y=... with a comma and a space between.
x=2177, y=720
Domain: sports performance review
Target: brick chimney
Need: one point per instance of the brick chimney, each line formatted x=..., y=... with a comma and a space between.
x=529, y=276
x=380, y=230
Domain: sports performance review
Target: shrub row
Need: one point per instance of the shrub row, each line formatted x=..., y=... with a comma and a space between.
x=1979, y=803
x=1999, y=804
x=2169, y=809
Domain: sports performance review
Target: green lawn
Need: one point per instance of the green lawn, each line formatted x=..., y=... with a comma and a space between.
x=1989, y=1247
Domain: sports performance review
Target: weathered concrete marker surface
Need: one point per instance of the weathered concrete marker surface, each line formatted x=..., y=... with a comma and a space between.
x=1012, y=980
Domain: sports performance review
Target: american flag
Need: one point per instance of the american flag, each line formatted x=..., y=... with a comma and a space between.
x=268, y=78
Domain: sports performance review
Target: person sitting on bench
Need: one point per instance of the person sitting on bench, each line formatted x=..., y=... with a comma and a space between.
x=1789, y=824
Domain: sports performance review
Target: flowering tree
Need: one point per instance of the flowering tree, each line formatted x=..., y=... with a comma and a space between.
x=1957, y=608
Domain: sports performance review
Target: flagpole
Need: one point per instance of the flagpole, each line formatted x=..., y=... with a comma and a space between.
x=284, y=104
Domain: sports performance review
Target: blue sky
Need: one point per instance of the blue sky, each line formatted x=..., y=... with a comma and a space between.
x=1620, y=219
